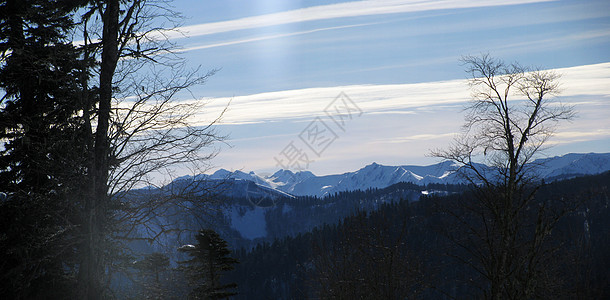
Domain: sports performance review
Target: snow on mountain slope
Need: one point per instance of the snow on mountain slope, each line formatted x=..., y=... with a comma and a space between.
x=285, y=180
x=316, y=186
x=375, y=175
x=379, y=176
x=224, y=174
x=250, y=223
x=573, y=164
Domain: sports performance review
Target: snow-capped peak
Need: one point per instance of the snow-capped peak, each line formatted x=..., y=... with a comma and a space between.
x=376, y=175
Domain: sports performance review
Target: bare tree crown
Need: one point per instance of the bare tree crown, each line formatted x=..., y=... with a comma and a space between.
x=512, y=114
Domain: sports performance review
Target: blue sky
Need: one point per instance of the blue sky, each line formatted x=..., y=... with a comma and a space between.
x=283, y=63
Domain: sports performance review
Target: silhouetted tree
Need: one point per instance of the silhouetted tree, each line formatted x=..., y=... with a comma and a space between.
x=136, y=131
x=81, y=123
x=152, y=270
x=42, y=151
x=511, y=116
x=209, y=261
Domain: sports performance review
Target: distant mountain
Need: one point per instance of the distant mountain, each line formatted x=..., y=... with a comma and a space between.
x=305, y=183
x=573, y=165
x=234, y=185
x=261, y=208
x=372, y=176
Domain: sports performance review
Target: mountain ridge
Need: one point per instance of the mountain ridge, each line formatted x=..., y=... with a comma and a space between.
x=374, y=175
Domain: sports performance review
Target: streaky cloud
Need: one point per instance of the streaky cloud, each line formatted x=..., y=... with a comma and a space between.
x=388, y=98
x=269, y=37
x=334, y=11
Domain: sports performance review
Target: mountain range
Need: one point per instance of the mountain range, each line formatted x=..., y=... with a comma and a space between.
x=305, y=183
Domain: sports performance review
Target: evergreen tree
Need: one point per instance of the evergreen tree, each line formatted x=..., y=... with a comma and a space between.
x=41, y=152
x=67, y=148
x=153, y=273
x=209, y=260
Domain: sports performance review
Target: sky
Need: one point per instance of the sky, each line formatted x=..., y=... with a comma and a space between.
x=332, y=86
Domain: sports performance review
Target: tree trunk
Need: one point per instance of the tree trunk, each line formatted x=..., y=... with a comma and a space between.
x=92, y=269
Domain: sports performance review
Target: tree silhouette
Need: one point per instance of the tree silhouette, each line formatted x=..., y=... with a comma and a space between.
x=81, y=122
x=42, y=150
x=151, y=271
x=507, y=231
x=209, y=260
x=129, y=141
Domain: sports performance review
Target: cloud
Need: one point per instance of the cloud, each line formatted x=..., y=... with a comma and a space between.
x=388, y=98
x=555, y=42
x=400, y=121
x=269, y=37
x=416, y=137
x=556, y=14
x=581, y=134
x=311, y=102
x=333, y=11
x=569, y=137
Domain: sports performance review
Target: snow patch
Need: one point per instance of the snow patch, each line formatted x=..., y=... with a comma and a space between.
x=252, y=224
x=447, y=173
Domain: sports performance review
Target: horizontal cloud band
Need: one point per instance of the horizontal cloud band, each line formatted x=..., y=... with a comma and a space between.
x=390, y=98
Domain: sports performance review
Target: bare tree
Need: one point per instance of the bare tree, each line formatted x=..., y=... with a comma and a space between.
x=510, y=118
x=137, y=128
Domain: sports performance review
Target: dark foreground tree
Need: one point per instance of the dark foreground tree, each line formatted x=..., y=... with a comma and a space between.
x=82, y=122
x=136, y=131
x=42, y=149
x=511, y=116
x=209, y=261
x=154, y=272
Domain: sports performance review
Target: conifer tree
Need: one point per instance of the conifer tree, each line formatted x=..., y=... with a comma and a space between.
x=153, y=272
x=41, y=149
x=209, y=260
x=67, y=148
